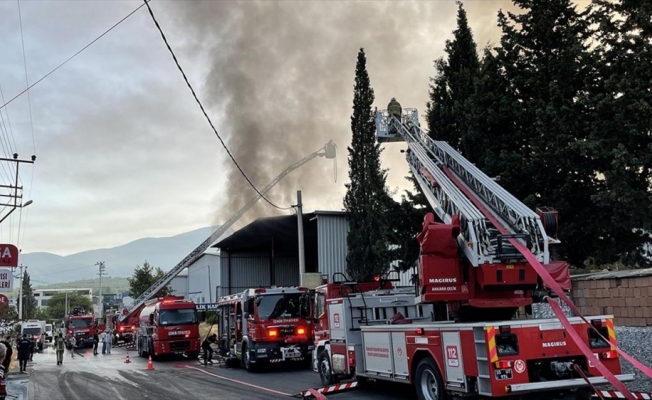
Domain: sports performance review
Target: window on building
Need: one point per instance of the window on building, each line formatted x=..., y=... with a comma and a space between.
x=44, y=302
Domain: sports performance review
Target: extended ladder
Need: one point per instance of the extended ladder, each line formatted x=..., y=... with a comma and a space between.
x=443, y=174
x=328, y=151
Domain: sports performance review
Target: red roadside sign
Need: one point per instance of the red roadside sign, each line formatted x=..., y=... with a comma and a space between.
x=4, y=299
x=8, y=255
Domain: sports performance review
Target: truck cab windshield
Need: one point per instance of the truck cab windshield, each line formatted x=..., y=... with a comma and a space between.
x=272, y=306
x=177, y=317
x=32, y=331
x=81, y=323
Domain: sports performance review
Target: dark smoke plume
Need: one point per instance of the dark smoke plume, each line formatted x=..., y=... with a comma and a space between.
x=281, y=76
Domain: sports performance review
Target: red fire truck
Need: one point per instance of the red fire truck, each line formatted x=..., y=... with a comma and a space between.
x=265, y=326
x=122, y=330
x=82, y=325
x=483, y=255
x=168, y=325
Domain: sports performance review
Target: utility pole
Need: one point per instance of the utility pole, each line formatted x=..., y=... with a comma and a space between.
x=13, y=192
x=20, y=294
x=101, y=300
x=302, y=255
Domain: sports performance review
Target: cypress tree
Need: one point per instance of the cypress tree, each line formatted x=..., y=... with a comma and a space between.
x=366, y=201
x=453, y=85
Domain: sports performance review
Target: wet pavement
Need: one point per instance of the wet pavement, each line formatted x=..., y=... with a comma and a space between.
x=88, y=377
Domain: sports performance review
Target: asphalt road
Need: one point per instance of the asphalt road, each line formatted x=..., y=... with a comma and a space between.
x=88, y=377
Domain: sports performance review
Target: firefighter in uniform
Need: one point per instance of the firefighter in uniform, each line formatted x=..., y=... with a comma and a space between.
x=208, y=350
x=60, y=346
x=394, y=108
x=23, y=352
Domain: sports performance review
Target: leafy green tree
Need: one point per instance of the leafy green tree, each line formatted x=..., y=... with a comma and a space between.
x=544, y=58
x=29, y=306
x=56, y=308
x=8, y=313
x=366, y=197
x=143, y=278
x=453, y=85
x=620, y=103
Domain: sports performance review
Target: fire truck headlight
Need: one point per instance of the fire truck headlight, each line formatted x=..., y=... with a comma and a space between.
x=301, y=331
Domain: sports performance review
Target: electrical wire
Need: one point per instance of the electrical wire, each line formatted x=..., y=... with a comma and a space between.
x=71, y=57
x=201, y=106
x=31, y=120
x=29, y=101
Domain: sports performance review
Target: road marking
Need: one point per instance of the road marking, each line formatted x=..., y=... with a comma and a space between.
x=240, y=382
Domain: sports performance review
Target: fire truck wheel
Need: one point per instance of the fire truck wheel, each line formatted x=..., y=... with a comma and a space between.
x=246, y=359
x=193, y=356
x=428, y=381
x=325, y=370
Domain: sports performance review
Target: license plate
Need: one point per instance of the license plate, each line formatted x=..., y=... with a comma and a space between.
x=290, y=353
x=178, y=352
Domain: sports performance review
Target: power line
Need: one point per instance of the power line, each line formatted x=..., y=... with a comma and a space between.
x=71, y=57
x=29, y=101
x=201, y=106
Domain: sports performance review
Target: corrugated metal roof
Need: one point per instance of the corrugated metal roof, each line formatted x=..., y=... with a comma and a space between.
x=634, y=273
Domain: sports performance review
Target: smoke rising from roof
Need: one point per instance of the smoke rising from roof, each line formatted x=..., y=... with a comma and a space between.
x=280, y=79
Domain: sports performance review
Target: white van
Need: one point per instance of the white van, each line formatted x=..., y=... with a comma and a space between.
x=48, y=333
x=36, y=329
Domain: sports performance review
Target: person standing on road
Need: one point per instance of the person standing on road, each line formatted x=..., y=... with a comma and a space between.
x=32, y=346
x=103, y=340
x=59, y=346
x=72, y=342
x=23, y=352
x=7, y=361
x=96, y=341
x=3, y=373
x=108, y=339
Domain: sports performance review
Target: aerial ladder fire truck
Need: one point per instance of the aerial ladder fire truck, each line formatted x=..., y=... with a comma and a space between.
x=264, y=326
x=483, y=254
x=129, y=319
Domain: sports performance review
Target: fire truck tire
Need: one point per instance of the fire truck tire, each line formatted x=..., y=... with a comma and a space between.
x=246, y=359
x=428, y=381
x=193, y=356
x=325, y=370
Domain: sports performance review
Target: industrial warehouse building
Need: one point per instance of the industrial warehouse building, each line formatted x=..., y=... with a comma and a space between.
x=266, y=253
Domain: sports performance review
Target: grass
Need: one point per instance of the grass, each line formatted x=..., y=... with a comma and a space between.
x=203, y=329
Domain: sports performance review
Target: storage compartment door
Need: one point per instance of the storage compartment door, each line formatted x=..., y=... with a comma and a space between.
x=337, y=321
x=377, y=353
x=401, y=369
x=451, y=345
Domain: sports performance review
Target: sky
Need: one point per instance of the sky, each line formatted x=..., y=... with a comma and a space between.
x=123, y=151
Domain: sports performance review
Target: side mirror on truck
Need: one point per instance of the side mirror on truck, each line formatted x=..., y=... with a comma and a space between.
x=151, y=319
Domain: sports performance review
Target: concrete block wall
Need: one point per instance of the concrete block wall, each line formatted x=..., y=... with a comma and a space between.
x=629, y=300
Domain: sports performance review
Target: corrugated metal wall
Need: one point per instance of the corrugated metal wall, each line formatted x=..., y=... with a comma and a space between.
x=179, y=286
x=286, y=270
x=250, y=270
x=203, y=278
x=331, y=242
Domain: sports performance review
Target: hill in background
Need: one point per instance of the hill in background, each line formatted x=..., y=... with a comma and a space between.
x=80, y=269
